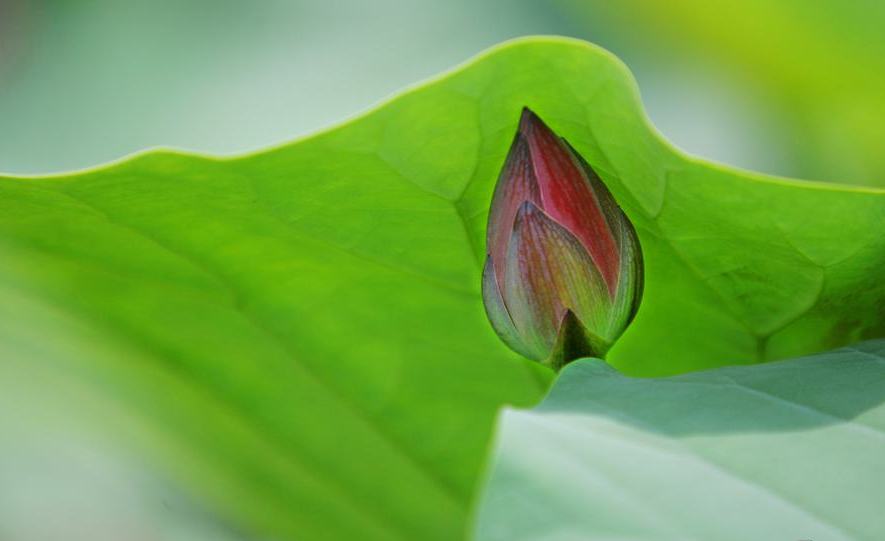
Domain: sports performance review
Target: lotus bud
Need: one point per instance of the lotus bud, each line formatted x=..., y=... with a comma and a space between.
x=563, y=272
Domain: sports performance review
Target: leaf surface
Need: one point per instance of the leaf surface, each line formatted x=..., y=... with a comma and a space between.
x=786, y=450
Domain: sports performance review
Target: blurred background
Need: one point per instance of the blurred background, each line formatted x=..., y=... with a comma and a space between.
x=788, y=87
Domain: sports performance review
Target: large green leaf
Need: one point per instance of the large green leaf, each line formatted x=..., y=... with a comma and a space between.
x=789, y=450
x=300, y=331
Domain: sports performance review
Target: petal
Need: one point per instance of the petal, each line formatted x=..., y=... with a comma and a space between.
x=630, y=285
x=516, y=184
x=630, y=276
x=497, y=311
x=569, y=197
x=548, y=272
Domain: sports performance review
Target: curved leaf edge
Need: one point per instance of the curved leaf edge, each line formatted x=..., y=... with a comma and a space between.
x=632, y=87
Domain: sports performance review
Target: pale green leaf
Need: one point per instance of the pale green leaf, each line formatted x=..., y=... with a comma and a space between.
x=787, y=450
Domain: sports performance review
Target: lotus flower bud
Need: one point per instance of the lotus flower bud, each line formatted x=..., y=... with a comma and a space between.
x=563, y=274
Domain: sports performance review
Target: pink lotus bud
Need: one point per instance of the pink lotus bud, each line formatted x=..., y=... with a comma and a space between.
x=563, y=276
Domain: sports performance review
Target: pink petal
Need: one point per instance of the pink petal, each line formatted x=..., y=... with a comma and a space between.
x=569, y=197
x=497, y=312
x=516, y=184
x=548, y=272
